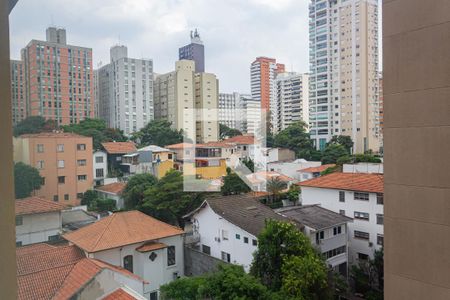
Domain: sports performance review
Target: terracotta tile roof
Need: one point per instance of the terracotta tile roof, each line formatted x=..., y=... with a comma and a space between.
x=215, y=145
x=120, y=294
x=120, y=229
x=272, y=174
x=105, y=265
x=114, y=188
x=36, y=205
x=179, y=146
x=150, y=246
x=316, y=169
x=241, y=139
x=53, y=135
x=119, y=147
x=371, y=183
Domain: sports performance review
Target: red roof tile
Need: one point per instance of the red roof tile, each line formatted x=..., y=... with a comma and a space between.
x=119, y=147
x=317, y=169
x=36, y=205
x=241, y=139
x=371, y=183
x=119, y=294
x=150, y=246
x=120, y=229
x=53, y=135
x=114, y=188
x=215, y=145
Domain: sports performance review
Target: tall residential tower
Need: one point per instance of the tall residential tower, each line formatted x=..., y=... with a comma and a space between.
x=344, y=72
x=194, y=51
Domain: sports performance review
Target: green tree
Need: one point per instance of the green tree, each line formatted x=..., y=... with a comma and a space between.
x=274, y=186
x=343, y=140
x=97, y=129
x=106, y=205
x=369, y=276
x=249, y=163
x=34, y=124
x=296, y=138
x=228, y=282
x=227, y=132
x=26, y=180
x=167, y=201
x=158, y=132
x=233, y=184
x=332, y=153
x=368, y=158
x=133, y=194
x=293, y=194
x=89, y=197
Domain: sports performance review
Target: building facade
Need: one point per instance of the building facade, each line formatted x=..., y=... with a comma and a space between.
x=64, y=160
x=344, y=72
x=291, y=100
x=194, y=51
x=100, y=167
x=178, y=93
x=262, y=78
x=125, y=91
x=18, y=91
x=59, y=79
x=249, y=121
x=228, y=109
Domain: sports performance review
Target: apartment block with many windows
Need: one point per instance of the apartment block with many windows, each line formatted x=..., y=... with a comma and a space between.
x=64, y=160
x=18, y=91
x=228, y=105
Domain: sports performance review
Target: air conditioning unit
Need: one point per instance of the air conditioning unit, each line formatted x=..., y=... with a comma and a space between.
x=217, y=239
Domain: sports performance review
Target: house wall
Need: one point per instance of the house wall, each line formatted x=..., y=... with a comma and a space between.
x=291, y=168
x=329, y=199
x=155, y=272
x=101, y=165
x=362, y=168
x=36, y=228
x=209, y=226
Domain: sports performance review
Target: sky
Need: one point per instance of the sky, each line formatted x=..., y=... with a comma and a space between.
x=234, y=32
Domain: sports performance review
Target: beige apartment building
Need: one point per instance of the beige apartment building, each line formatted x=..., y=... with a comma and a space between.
x=344, y=72
x=64, y=160
x=177, y=93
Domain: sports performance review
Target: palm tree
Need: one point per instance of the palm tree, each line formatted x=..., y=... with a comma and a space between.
x=274, y=186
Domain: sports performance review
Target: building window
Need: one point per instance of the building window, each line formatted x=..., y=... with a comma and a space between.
x=361, y=216
x=53, y=238
x=81, y=147
x=254, y=242
x=81, y=162
x=169, y=156
x=40, y=148
x=55, y=198
x=380, y=239
x=18, y=244
x=226, y=256
x=19, y=220
x=60, y=164
x=206, y=249
x=380, y=219
x=342, y=212
x=128, y=263
x=82, y=177
x=238, y=236
x=341, y=196
x=362, y=256
x=79, y=195
x=60, y=148
x=154, y=295
x=99, y=159
x=99, y=173
x=380, y=198
x=335, y=252
x=66, y=197
x=362, y=196
x=40, y=164
x=171, y=255
x=337, y=230
x=43, y=181
x=225, y=235
x=61, y=179
x=361, y=235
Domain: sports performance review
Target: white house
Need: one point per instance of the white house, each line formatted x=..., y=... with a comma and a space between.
x=37, y=220
x=227, y=227
x=292, y=168
x=356, y=195
x=100, y=167
x=112, y=191
x=312, y=172
x=148, y=248
x=327, y=230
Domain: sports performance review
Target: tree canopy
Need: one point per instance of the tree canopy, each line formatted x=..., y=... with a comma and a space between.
x=158, y=132
x=133, y=193
x=96, y=203
x=34, y=124
x=227, y=132
x=233, y=184
x=333, y=153
x=343, y=140
x=97, y=129
x=369, y=276
x=26, y=180
x=296, y=138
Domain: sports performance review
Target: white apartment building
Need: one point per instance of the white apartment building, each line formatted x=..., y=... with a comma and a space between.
x=37, y=220
x=291, y=100
x=228, y=105
x=250, y=114
x=125, y=91
x=292, y=168
x=343, y=96
x=179, y=92
x=355, y=195
x=100, y=167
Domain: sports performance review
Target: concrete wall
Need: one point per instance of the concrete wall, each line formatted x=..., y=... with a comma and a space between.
x=416, y=75
x=38, y=228
x=198, y=263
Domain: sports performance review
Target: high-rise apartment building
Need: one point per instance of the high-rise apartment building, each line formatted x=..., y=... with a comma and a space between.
x=64, y=160
x=381, y=111
x=179, y=92
x=18, y=91
x=228, y=109
x=291, y=101
x=125, y=91
x=194, y=51
x=262, y=77
x=59, y=79
x=344, y=72
x=249, y=120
